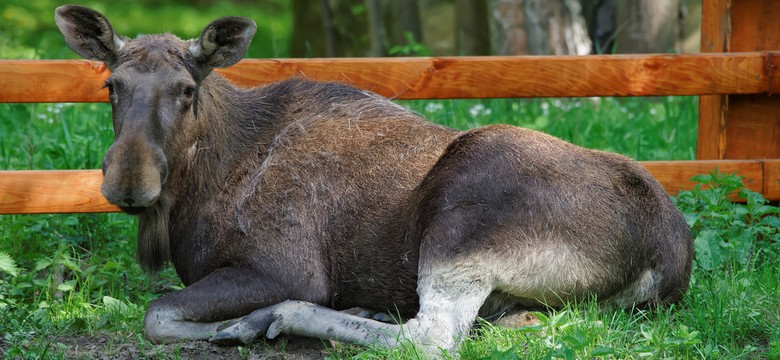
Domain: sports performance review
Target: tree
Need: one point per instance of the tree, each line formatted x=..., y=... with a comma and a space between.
x=376, y=26
x=472, y=30
x=540, y=27
x=403, y=19
x=307, y=39
x=329, y=28
x=643, y=26
x=648, y=26
x=601, y=17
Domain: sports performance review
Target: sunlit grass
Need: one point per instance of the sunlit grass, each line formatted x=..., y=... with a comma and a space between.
x=27, y=29
x=79, y=275
x=661, y=128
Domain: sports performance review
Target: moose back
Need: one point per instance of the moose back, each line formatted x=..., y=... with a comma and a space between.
x=280, y=205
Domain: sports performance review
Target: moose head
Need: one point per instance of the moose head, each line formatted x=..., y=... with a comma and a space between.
x=153, y=89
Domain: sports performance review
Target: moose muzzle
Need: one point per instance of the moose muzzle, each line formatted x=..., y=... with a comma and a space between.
x=134, y=171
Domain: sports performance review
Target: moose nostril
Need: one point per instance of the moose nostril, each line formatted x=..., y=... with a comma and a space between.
x=129, y=201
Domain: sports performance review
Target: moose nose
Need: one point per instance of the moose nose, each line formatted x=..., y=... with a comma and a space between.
x=129, y=201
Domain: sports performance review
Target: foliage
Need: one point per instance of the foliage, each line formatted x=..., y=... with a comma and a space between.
x=8, y=265
x=726, y=233
x=27, y=29
x=730, y=311
x=411, y=48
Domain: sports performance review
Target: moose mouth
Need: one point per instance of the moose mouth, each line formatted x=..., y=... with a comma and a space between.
x=132, y=210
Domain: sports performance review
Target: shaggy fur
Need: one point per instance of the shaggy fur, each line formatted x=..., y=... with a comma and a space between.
x=333, y=198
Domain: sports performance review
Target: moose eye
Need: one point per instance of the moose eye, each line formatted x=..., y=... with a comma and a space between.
x=189, y=91
x=110, y=88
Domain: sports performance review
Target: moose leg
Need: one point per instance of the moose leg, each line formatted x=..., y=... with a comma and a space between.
x=450, y=297
x=198, y=311
x=248, y=328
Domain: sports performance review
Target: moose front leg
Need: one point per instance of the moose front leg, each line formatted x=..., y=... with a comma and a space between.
x=198, y=311
x=256, y=324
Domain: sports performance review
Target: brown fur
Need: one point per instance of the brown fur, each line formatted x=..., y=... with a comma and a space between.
x=332, y=195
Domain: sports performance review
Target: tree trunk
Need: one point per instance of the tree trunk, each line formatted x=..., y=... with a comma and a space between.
x=328, y=28
x=307, y=38
x=601, y=17
x=540, y=27
x=330, y=32
x=510, y=34
x=403, y=18
x=376, y=26
x=472, y=29
x=648, y=26
x=437, y=28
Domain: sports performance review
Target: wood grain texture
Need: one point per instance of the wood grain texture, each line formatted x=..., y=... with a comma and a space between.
x=711, y=132
x=676, y=175
x=772, y=179
x=52, y=81
x=754, y=25
x=78, y=191
x=753, y=121
x=715, y=35
x=442, y=77
x=753, y=127
x=52, y=191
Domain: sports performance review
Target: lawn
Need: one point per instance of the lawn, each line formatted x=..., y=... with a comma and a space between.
x=70, y=286
x=72, y=277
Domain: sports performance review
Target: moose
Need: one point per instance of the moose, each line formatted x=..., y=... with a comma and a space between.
x=284, y=206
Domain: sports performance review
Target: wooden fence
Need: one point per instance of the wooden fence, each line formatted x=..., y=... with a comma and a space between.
x=739, y=120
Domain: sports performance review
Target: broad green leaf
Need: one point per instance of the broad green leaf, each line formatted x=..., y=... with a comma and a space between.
x=115, y=305
x=702, y=178
x=708, y=249
x=42, y=264
x=67, y=286
x=602, y=351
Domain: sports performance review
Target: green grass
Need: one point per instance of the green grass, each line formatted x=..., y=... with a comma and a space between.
x=661, y=128
x=66, y=276
x=27, y=29
x=76, y=274
x=731, y=311
x=54, y=136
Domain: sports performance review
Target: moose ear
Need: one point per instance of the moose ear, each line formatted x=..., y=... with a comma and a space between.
x=222, y=43
x=88, y=33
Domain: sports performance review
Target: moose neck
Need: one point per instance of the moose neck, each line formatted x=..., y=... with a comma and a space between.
x=231, y=125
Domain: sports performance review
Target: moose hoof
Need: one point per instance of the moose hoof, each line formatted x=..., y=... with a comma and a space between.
x=292, y=317
x=238, y=334
x=245, y=330
x=370, y=314
x=384, y=317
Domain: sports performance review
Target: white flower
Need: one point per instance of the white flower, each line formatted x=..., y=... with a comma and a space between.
x=434, y=107
x=480, y=110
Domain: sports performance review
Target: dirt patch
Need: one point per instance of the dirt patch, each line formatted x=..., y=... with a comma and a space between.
x=118, y=347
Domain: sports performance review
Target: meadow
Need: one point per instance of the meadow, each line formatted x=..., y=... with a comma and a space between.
x=70, y=286
x=67, y=276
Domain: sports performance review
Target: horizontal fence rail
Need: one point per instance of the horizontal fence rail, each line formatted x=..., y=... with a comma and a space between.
x=444, y=77
x=78, y=191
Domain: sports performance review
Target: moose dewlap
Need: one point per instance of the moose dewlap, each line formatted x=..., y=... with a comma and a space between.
x=278, y=206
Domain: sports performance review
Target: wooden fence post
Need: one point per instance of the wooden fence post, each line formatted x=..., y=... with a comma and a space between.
x=740, y=126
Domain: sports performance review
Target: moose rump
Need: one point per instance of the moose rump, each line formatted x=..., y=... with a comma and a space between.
x=281, y=205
